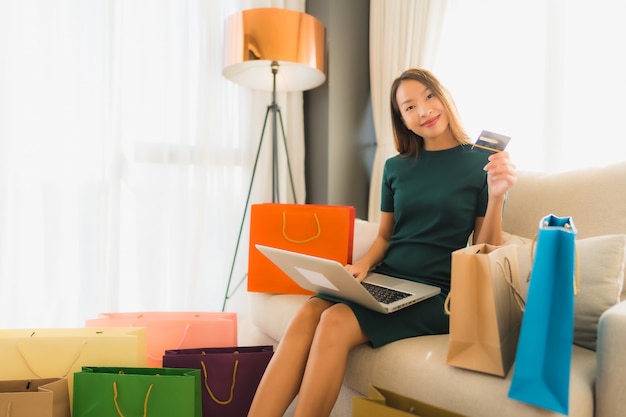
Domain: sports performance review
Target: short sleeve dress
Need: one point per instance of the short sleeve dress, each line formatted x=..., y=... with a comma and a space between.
x=435, y=199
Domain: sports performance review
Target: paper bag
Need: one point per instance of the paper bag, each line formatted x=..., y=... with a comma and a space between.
x=175, y=330
x=385, y=403
x=230, y=376
x=130, y=392
x=41, y=397
x=544, y=352
x=58, y=353
x=486, y=308
x=321, y=230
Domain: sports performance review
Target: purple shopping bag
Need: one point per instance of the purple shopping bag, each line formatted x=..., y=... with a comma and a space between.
x=229, y=376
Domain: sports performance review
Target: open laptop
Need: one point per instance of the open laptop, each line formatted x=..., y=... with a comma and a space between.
x=377, y=292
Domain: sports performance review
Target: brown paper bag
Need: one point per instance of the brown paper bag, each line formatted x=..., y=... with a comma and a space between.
x=485, y=308
x=42, y=397
x=385, y=403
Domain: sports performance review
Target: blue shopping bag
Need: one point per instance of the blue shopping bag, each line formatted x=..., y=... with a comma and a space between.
x=544, y=351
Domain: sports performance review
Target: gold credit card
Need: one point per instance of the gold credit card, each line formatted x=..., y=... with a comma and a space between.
x=490, y=142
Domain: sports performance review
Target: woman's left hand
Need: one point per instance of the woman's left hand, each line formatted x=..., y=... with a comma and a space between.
x=501, y=174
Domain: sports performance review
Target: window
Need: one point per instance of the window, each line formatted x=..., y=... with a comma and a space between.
x=549, y=74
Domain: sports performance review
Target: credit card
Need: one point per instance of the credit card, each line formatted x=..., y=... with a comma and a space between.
x=490, y=142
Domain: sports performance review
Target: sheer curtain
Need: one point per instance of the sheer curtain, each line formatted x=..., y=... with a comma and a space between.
x=550, y=74
x=125, y=157
x=403, y=34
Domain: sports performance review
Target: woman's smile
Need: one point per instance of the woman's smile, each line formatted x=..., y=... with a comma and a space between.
x=431, y=122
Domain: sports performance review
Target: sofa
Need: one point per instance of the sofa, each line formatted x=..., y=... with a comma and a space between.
x=595, y=198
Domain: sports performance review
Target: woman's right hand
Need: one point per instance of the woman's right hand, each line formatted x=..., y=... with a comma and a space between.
x=358, y=270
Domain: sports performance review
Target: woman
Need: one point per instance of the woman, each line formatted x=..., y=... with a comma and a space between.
x=435, y=193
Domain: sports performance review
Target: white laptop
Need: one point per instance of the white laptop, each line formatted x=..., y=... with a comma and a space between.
x=377, y=292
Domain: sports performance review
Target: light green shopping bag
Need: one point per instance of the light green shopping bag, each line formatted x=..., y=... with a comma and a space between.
x=137, y=392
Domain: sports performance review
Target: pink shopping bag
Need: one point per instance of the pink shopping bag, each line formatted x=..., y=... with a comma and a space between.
x=175, y=330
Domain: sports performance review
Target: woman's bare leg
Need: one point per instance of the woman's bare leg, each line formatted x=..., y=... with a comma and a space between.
x=282, y=378
x=338, y=332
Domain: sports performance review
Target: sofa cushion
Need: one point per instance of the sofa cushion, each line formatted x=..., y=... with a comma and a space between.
x=590, y=196
x=602, y=261
x=364, y=235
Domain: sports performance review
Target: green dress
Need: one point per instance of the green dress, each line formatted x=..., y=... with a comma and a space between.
x=435, y=199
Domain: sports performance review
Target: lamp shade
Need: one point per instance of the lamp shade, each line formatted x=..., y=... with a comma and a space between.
x=255, y=38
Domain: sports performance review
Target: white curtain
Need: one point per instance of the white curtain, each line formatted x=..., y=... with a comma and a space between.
x=403, y=34
x=125, y=157
x=550, y=74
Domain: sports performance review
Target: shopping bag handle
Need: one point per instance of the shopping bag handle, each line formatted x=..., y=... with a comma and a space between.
x=64, y=374
x=446, y=304
x=232, y=385
x=180, y=344
x=516, y=294
x=576, y=258
x=317, y=222
x=145, y=401
x=514, y=291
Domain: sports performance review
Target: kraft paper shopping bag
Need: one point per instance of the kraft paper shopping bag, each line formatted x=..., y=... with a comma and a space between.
x=230, y=376
x=544, y=352
x=38, y=397
x=321, y=230
x=486, y=308
x=175, y=330
x=130, y=392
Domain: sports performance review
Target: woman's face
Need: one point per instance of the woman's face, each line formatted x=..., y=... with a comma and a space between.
x=422, y=112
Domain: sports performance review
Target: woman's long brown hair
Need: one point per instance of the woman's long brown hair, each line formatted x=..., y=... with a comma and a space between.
x=408, y=143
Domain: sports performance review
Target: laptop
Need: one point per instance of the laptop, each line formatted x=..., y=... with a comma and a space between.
x=377, y=292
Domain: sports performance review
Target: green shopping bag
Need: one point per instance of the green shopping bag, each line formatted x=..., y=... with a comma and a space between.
x=137, y=392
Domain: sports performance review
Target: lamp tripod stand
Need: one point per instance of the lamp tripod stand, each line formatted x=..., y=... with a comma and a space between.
x=276, y=114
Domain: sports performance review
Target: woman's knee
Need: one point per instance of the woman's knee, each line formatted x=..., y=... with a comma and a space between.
x=309, y=313
x=339, y=325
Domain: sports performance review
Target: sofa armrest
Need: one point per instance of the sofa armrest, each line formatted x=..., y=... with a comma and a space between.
x=611, y=362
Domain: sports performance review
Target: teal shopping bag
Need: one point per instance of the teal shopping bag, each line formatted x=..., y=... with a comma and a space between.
x=544, y=351
x=137, y=392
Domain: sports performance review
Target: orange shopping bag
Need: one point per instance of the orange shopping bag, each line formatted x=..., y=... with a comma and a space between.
x=175, y=330
x=320, y=230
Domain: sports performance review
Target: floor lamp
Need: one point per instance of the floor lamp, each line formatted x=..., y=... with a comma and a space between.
x=272, y=49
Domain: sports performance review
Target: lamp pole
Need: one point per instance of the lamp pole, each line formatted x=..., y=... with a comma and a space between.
x=286, y=40
x=276, y=118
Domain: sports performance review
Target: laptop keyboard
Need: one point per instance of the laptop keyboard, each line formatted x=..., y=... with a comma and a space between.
x=383, y=294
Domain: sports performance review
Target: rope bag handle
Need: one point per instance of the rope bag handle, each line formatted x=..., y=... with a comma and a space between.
x=180, y=344
x=284, y=230
x=516, y=294
x=519, y=300
x=69, y=368
x=232, y=385
x=145, y=401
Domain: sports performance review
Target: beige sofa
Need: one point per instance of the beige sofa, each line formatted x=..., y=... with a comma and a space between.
x=416, y=367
